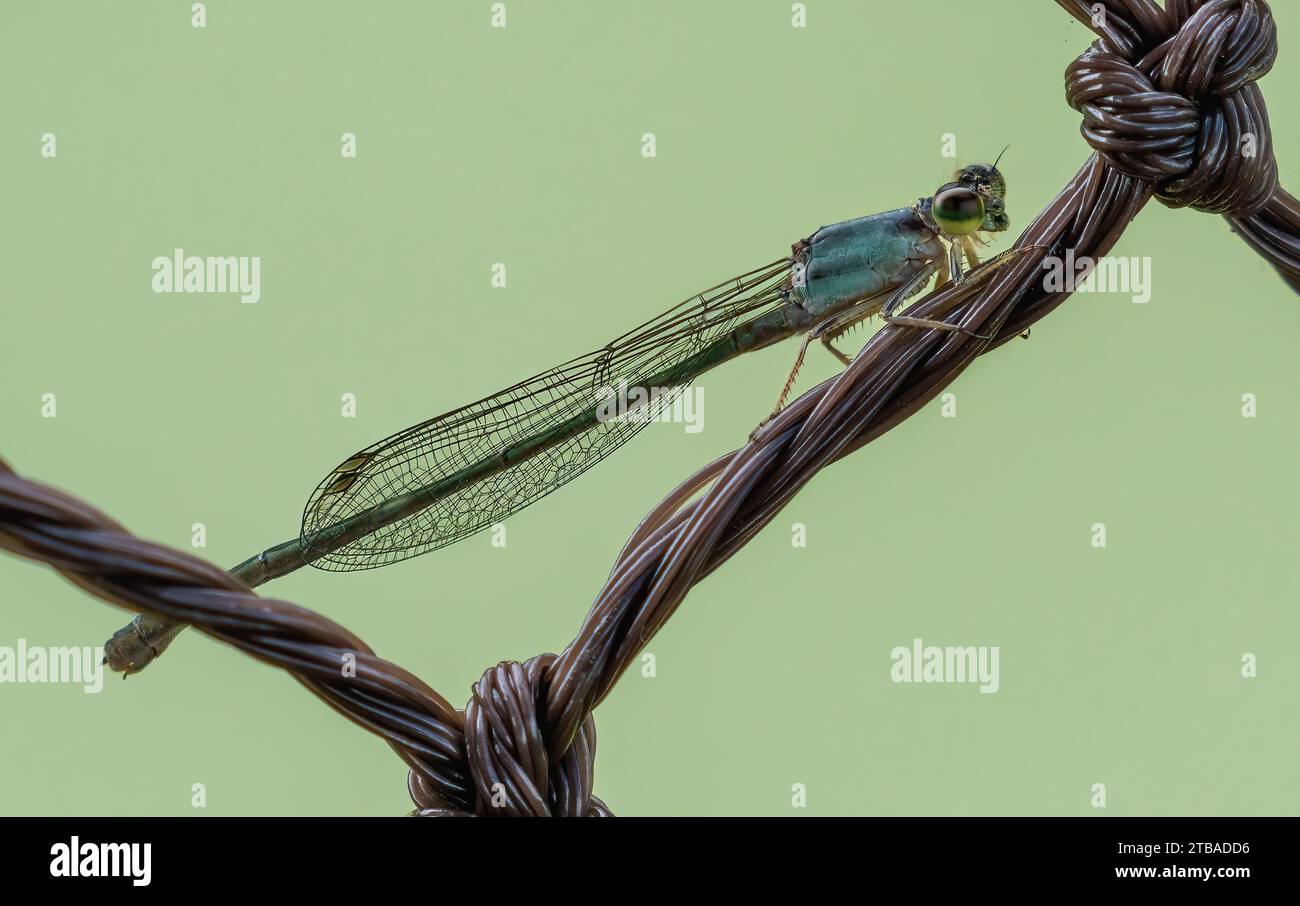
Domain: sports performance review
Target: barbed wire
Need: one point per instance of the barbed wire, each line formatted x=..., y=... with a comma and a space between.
x=1171, y=109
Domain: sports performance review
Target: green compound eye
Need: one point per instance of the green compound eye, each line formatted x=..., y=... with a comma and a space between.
x=957, y=210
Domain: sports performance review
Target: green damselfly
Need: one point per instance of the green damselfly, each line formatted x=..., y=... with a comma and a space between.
x=452, y=476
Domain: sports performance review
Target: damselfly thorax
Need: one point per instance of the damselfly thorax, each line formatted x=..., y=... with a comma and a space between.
x=845, y=263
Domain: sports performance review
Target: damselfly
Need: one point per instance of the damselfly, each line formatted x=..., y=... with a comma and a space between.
x=451, y=476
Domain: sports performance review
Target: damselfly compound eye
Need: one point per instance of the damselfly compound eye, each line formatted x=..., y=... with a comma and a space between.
x=957, y=210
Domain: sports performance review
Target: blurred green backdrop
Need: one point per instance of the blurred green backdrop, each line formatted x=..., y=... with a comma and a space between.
x=522, y=145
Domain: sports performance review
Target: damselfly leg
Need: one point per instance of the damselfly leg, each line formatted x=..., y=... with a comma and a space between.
x=979, y=271
x=833, y=327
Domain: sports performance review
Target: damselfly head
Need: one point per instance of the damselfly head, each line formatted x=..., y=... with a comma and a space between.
x=970, y=204
x=983, y=178
x=991, y=186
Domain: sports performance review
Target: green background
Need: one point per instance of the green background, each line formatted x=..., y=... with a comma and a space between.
x=477, y=145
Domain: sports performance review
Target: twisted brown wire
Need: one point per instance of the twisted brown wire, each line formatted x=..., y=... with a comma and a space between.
x=1168, y=102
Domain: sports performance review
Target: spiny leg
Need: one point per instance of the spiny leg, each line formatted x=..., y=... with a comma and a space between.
x=979, y=272
x=907, y=290
x=830, y=336
x=952, y=273
x=828, y=329
x=818, y=332
x=789, y=381
x=844, y=359
x=981, y=269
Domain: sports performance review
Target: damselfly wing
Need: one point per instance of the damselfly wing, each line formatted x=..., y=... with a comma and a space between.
x=451, y=476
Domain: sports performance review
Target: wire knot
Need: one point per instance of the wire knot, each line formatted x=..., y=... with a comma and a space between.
x=513, y=768
x=1169, y=96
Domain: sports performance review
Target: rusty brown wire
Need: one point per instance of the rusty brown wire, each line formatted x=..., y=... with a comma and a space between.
x=1169, y=102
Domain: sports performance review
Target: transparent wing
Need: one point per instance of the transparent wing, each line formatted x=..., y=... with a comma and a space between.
x=441, y=480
